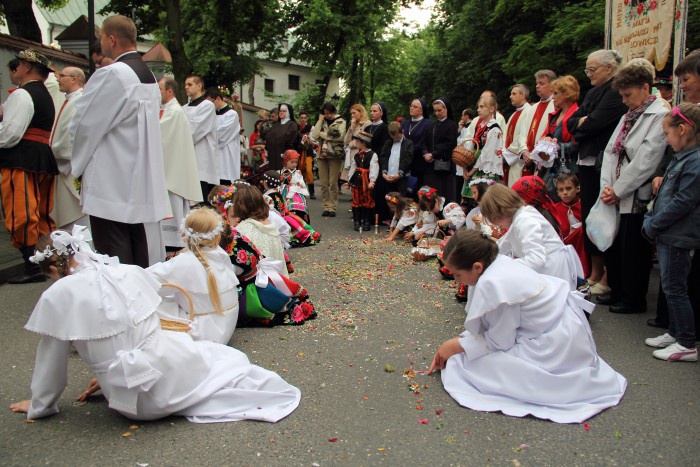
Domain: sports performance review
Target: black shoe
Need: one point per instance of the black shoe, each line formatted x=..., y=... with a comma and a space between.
x=27, y=278
x=605, y=299
x=326, y=213
x=358, y=226
x=656, y=323
x=623, y=309
x=365, y=226
x=331, y=214
x=312, y=196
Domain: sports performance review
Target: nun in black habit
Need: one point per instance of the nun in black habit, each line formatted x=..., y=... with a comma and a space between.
x=439, y=140
x=283, y=135
x=414, y=129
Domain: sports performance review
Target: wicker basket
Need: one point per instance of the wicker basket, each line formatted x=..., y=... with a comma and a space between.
x=428, y=247
x=464, y=157
x=175, y=325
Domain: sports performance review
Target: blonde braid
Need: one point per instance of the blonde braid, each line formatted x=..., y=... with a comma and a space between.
x=211, y=278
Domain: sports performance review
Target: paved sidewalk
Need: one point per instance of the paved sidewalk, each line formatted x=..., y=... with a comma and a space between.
x=11, y=263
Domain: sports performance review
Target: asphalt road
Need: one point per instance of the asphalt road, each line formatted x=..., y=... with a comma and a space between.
x=378, y=314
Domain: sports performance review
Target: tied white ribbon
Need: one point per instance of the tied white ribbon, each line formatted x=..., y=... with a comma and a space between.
x=268, y=270
x=138, y=373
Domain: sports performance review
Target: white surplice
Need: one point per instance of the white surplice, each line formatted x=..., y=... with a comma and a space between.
x=532, y=241
x=528, y=350
x=186, y=271
x=202, y=120
x=517, y=146
x=67, y=209
x=229, y=144
x=117, y=148
x=108, y=313
x=181, y=173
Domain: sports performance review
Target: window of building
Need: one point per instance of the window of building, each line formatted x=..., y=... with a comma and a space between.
x=269, y=85
x=294, y=82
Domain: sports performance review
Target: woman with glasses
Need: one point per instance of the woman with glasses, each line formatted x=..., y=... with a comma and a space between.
x=591, y=126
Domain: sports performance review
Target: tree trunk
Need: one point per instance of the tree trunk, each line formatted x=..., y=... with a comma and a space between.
x=181, y=64
x=20, y=19
x=337, y=50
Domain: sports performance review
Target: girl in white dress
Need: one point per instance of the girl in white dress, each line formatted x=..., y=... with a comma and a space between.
x=430, y=205
x=405, y=213
x=250, y=208
x=108, y=312
x=203, y=269
x=530, y=238
x=527, y=348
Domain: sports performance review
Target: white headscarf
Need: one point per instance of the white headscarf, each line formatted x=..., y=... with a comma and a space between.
x=287, y=118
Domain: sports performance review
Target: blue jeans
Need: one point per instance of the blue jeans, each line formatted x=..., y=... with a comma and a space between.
x=675, y=266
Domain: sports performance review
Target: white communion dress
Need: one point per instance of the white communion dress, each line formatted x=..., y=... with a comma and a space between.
x=186, y=271
x=107, y=311
x=528, y=349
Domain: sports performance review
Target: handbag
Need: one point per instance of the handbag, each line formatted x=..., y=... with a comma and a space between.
x=602, y=224
x=442, y=166
x=411, y=184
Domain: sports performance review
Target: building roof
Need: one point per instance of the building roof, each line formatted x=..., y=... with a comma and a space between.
x=17, y=43
x=158, y=53
x=65, y=16
x=78, y=31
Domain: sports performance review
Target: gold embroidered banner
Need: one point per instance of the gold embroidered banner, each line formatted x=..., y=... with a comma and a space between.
x=642, y=28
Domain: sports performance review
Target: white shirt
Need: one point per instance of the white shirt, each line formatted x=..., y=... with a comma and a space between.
x=395, y=158
x=117, y=147
x=202, y=120
x=229, y=145
x=18, y=112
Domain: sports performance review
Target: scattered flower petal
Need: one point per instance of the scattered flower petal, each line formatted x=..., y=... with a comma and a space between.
x=586, y=426
x=332, y=440
x=423, y=421
x=438, y=412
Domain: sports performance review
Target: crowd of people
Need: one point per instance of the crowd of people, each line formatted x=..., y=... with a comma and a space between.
x=537, y=213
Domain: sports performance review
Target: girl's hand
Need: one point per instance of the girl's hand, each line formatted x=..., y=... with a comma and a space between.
x=21, y=407
x=408, y=237
x=446, y=350
x=93, y=387
x=428, y=157
x=443, y=222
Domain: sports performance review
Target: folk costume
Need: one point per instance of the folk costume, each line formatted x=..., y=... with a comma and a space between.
x=302, y=234
x=489, y=160
x=293, y=187
x=265, y=237
x=306, y=160
x=229, y=144
x=406, y=219
x=187, y=271
x=364, y=170
x=427, y=220
x=67, y=208
x=27, y=165
x=456, y=216
x=181, y=172
x=514, y=145
x=528, y=350
x=350, y=147
x=201, y=114
x=532, y=241
x=117, y=151
x=571, y=223
x=108, y=312
x=567, y=149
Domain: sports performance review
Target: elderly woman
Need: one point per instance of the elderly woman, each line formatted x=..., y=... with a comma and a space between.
x=438, y=142
x=630, y=159
x=592, y=125
x=283, y=135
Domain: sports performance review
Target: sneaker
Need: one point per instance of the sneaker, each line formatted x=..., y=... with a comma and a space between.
x=677, y=353
x=661, y=341
x=599, y=289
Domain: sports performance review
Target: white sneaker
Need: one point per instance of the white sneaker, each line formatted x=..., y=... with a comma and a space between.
x=661, y=341
x=677, y=353
x=600, y=289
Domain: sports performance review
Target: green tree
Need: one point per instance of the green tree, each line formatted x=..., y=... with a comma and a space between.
x=19, y=16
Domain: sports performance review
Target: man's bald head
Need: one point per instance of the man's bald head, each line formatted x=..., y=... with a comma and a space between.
x=70, y=79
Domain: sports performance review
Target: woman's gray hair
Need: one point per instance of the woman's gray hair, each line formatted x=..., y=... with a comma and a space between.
x=607, y=57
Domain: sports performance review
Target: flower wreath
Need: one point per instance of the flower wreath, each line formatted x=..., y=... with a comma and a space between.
x=478, y=181
x=188, y=233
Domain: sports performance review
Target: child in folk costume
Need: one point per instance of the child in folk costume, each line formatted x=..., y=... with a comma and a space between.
x=527, y=348
x=430, y=205
x=530, y=238
x=488, y=135
x=266, y=297
x=569, y=217
x=204, y=271
x=363, y=173
x=293, y=186
x=107, y=311
x=405, y=213
x=302, y=233
x=453, y=218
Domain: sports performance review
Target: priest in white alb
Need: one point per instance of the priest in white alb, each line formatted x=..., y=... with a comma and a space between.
x=181, y=174
x=67, y=209
x=117, y=148
x=515, y=135
x=202, y=117
x=229, y=139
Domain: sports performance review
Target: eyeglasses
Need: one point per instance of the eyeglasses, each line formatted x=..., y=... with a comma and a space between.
x=590, y=70
x=61, y=75
x=676, y=112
